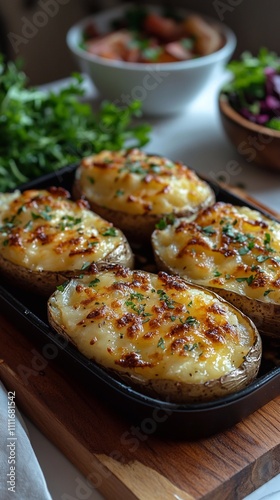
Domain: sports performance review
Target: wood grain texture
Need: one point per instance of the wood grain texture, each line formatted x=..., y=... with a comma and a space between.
x=118, y=459
x=249, y=199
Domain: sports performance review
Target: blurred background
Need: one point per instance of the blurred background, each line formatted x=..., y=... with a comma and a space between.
x=35, y=30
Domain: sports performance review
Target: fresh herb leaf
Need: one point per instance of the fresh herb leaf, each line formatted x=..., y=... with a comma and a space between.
x=119, y=192
x=167, y=220
x=85, y=266
x=189, y=321
x=267, y=292
x=111, y=231
x=165, y=298
x=62, y=287
x=208, y=230
x=267, y=239
x=243, y=250
x=217, y=274
x=249, y=279
x=161, y=343
x=44, y=131
x=94, y=282
x=190, y=347
x=262, y=258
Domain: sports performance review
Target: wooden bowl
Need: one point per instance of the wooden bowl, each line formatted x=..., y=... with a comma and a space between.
x=255, y=143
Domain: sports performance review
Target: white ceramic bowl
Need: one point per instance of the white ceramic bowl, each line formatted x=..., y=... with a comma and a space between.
x=163, y=88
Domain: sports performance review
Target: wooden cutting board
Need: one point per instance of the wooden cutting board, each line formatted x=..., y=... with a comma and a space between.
x=121, y=461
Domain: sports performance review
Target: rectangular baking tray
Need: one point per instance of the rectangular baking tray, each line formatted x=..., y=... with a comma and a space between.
x=185, y=421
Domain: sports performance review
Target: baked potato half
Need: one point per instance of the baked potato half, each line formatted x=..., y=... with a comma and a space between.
x=233, y=250
x=166, y=337
x=45, y=238
x=135, y=190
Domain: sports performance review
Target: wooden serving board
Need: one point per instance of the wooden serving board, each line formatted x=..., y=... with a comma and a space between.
x=125, y=464
x=121, y=461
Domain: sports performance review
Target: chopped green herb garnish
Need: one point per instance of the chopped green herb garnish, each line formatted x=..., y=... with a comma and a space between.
x=165, y=298
x=189, y=321
x=168, y=220
x=262, y=258
x=111, y=231
x=251, y=245
x=249, y=280
x=190, y=347
x=217, y=274
x=85, y=266
x=243, y=250
x=267, y=292
x=138, y=309
x=228, y=230
x=46, y=215
x=137, y=295
x=208, y=230
x=62, y=287
x=94, y=282
x=28, y=225
x=21, y=209
x=134, y=168
x=161, y=224
x=241, y=238
x=254, y=268
x=267, y=239
x=161, y=343
x=119, y=192
x=35, y=216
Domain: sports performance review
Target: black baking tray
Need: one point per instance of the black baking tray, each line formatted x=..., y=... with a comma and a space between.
x=184, y=421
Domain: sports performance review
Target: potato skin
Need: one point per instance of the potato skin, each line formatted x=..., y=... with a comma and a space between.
x=137, y=228
x=264, y=315
x=45, y=282
x=181, y=392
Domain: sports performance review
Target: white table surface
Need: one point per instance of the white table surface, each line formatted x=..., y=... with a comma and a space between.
x=195, y=137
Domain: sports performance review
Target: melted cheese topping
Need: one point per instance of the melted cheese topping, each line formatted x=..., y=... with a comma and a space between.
x=136, y=183
x=152, y=325
x=43, y=230
x=228, y=247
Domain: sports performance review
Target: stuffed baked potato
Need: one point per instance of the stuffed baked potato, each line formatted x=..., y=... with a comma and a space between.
x=169, y=338
x=45, y=237
x=134, y=190
x=232, y=250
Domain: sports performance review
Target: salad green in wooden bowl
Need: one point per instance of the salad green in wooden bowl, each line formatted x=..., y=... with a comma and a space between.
x=250, y=107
